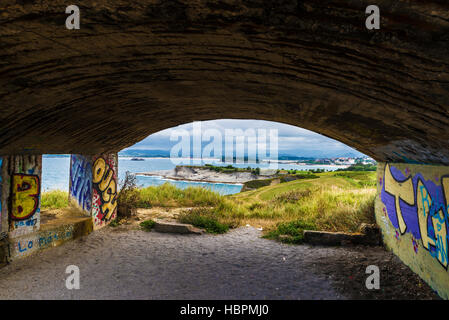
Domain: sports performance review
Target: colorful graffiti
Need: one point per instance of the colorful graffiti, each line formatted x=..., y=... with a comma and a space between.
x=25, y=196
x=418, y=206
x=104, y=181
x=81, y=181
x=22, y=175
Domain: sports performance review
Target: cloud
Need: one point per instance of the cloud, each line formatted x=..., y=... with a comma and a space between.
x=292, y=140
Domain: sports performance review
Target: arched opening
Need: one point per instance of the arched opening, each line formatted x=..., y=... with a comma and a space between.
x=292, y=195
x=134, y=70
x=226, y=157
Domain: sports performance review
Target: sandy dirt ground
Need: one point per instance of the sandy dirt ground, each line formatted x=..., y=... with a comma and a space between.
x=125, y=263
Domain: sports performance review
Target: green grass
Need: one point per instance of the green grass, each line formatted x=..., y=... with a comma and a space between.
x=147, y=225
x=329, y=201
x=55, y=199
x=114, y=223
x=256, y=184
x=333, y=202
x=168, y=195
x=360, y=167
x=206, y=219
x=290, y=232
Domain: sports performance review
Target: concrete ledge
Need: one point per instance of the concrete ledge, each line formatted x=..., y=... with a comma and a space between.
x=4, y=252
x=369, y=235
x=49, y=236
x=175, y=227
x=330, y=238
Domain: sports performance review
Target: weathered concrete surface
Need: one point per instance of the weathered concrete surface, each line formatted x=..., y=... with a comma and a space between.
x=165, y=226
x=51, y=234
x=133, y=264
x=371, y=238
x=138, y=67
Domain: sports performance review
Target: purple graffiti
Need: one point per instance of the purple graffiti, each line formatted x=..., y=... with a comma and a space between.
x=81, y=181
x=428, y=196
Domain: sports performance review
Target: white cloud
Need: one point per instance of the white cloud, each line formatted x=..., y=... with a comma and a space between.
x=292, y=140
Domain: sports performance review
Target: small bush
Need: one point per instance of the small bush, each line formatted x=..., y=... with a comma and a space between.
x=114, y=223
x=147, y=225
x=128, y=197
x=256, y=184
x=290, y=232
x=205, y=219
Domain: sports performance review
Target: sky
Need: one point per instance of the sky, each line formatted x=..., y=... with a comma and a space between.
x=291, y=140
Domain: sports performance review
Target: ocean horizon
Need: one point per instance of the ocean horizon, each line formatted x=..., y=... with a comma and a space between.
x=56, y=174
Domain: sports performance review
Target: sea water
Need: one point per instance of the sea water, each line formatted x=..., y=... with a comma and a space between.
x=55, y=173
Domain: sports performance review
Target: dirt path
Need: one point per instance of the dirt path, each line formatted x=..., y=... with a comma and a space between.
x=131, y=264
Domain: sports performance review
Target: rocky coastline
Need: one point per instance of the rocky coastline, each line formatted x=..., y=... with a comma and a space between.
x=198, y=174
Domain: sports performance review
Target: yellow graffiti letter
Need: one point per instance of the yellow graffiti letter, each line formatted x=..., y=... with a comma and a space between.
x=98, y=170
x=401, y=191
x=25, y=196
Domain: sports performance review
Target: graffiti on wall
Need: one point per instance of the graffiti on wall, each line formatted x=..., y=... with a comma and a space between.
x=25, y=196
x=21, y=187
x=104, y=181
x=44, y=240
x=81, y=181
x=418, y=205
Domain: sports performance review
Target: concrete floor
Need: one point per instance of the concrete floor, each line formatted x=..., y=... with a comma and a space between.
x=117, y=263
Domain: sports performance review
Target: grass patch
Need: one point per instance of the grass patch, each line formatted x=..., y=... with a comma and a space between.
x=148, y=225
x=292, y=196
x=290, y=232
x=360, y=167
x=205, y=219
x=55, y=199
x=256, y=184
x=334, y=202
x=328, y=201
x=114, y=223
x=168, y=195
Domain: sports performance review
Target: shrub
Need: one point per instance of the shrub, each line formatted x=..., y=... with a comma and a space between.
x=205, y=219
x=147, y=225
x=128, y=197
x=290, y=232
x=256, y=184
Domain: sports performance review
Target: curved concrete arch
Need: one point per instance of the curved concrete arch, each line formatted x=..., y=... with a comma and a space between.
x=137, y=67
